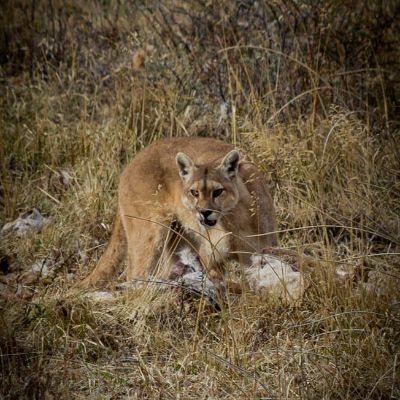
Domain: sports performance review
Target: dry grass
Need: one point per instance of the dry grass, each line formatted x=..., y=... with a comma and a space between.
x=311, y=97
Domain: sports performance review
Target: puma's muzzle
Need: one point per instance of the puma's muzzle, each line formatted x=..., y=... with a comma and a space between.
x=207, y=218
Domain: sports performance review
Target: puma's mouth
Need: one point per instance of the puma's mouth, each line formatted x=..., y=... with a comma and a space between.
x=208, y=222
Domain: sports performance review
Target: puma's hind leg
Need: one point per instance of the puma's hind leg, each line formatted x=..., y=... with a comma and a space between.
x=111, y=258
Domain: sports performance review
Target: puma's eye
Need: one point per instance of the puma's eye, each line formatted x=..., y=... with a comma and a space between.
x=217, y=192
x=194, y=193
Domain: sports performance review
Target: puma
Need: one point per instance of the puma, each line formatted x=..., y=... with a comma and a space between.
x=194, y=192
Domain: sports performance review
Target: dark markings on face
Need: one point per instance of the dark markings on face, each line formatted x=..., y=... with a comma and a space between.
x=204, y=183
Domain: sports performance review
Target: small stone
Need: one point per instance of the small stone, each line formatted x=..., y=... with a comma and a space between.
x=271, y=275
x=30, y=220
x=101, y=296
x=41, y=268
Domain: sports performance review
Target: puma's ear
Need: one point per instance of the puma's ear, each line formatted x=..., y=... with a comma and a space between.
x=230, y=163
x=185, y=166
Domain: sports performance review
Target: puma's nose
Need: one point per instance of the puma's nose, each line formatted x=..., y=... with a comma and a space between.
x=206, y=213
x=207, y=218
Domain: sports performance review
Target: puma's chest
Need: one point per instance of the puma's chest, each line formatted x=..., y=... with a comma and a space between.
x=216, y=245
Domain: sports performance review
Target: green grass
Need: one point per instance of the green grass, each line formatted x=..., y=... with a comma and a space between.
x=312, y=96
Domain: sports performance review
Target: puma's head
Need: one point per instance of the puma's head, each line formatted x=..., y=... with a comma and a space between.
x=209, y=190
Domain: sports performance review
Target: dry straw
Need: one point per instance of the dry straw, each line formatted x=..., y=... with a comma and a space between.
x=310, y=94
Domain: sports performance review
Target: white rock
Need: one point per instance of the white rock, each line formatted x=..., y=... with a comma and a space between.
x=31, y=220
x=100, y=296
x=64, y=177
x=270, y=275
x=41, y=267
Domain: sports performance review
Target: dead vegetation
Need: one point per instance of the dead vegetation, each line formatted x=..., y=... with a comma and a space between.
x=310, y=91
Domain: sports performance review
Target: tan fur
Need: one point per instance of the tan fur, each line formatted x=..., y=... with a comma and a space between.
x=162, y=195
